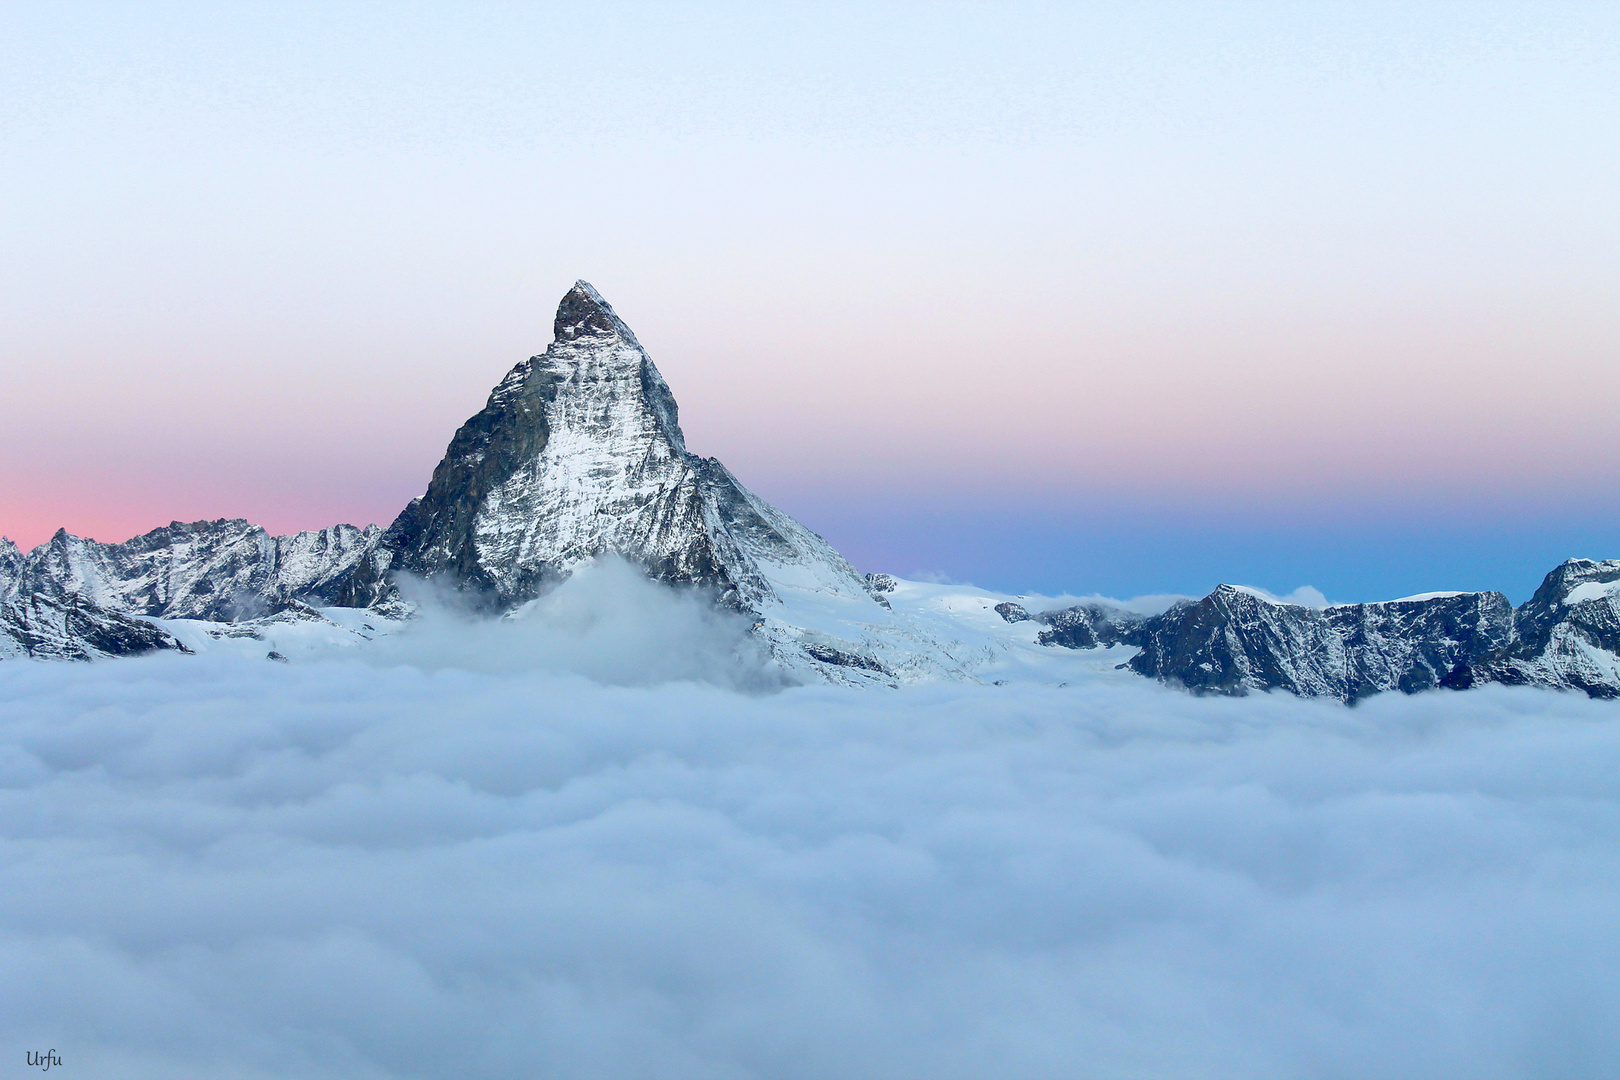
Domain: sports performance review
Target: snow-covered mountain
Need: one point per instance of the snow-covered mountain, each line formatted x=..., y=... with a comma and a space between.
x=1567, y=634
x=77, y=599
x=579, y=454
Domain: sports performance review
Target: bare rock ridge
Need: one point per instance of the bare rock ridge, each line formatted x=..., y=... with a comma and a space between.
x=579, y=453
x=1235, y=641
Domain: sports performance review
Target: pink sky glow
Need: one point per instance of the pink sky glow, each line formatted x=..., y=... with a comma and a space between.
x=263, y=267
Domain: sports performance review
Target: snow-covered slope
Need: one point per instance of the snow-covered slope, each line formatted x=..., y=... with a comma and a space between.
x=73, y=598
x=74, y=628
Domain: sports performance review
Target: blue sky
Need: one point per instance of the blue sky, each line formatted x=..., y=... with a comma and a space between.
x=1060, y=297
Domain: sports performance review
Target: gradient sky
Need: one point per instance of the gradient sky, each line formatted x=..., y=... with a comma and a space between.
x=1059, y=297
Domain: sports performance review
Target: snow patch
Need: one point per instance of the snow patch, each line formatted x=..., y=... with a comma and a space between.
x=1592, y=590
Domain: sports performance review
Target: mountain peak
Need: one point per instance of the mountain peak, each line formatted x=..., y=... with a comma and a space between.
x=583, y=311
x=579, y=453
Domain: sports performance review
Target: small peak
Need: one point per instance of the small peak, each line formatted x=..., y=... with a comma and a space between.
x=583, y=312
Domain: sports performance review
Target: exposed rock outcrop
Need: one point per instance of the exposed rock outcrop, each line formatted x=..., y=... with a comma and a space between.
x=73, y=628
x=1237, y=640
x=1568, y=634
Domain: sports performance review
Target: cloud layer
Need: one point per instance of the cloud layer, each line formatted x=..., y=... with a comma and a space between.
x=230, y=868
x=607, y=621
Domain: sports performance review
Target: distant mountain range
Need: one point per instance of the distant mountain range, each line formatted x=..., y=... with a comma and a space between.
x=579, y=453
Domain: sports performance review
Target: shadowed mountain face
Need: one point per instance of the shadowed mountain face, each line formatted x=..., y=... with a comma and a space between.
x=1233, y=641
x=1568, y=633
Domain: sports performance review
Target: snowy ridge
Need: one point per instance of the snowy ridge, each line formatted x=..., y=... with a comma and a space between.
x=222, y=570
x=70, y=628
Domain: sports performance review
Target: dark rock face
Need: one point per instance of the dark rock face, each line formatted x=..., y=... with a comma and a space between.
x=1234, y=641
x=1410, y=645
x=1071, y=628
x=1568, y=633
x=1460, y=677
x=1580, y=594
x=1090, y=625
x=1084, y=626
x=11, y=564
x=838, y=658
x=1012, y=612
x=72, y=628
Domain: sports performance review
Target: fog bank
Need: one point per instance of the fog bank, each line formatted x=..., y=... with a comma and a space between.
x=230, y=868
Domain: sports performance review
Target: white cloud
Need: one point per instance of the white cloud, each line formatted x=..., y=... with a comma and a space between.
x=229, y=868
x=1304, y=596
x=606, y=621
x=1152, y=604
x=933, y=577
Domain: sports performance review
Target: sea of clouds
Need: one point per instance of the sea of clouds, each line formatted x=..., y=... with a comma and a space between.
x=605, y=841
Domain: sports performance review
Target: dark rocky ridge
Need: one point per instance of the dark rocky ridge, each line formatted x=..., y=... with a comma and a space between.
x=73, y=628
x=1567, y=634
x=1234, y=641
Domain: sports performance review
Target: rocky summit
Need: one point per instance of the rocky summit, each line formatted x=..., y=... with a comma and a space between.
x=579, y=454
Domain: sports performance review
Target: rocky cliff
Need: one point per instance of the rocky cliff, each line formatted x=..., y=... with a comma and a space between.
x=1236, y=640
